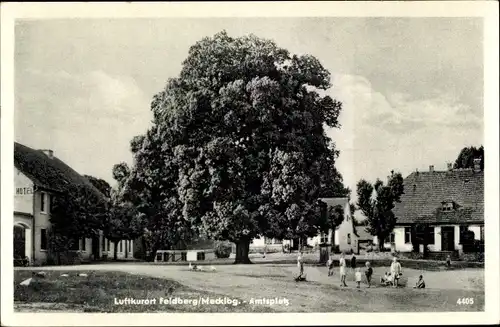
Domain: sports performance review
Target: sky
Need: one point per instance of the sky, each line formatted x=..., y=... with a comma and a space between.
x=411, y=88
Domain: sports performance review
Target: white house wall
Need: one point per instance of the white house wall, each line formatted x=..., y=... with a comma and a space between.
x=23, y=193
x=400, y=245
x=477, y=231
x=42, y=221
x=123, y=254
x=399, y=240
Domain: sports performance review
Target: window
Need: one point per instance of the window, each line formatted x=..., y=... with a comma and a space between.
x=200, y=256
x=324, y=238
x=183, y=256
x=121, y=246
x=43, y=241
x=75, y=246
x=481, y=231
x=43, y=202
x=390, y=238
x=103, y=244
x=463, y=230
x=275, y=241
x=84, y=244
x=268, y=240
x=129, y=245
x=407, y=235
x=447, y=206
x=348, y=238
x=109, y=245
x=51, y=202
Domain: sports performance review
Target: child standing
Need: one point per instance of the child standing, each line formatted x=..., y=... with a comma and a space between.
x=329, y=264
x=448, y=261
x=368, y=273
x=300, y=263
x=395, y=271
x=357, y=275
x=342, y=266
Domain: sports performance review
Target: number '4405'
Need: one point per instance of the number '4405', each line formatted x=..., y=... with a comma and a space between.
x=465, y=300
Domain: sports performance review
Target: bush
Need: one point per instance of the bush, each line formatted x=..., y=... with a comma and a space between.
x=222, y=249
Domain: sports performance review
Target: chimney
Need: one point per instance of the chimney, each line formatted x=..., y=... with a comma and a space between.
x=431, y=168
x=49, y=153
x=450, y=166
x=477, y=165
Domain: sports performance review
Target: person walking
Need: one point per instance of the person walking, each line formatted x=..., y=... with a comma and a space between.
x=342, y=266
x=396, y=271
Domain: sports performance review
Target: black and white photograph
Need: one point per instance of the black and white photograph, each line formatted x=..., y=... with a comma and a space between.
x=311, y=163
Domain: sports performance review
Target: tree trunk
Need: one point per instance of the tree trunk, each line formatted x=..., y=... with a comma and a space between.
x=242, y=250
x=152, y=253
x=381, y=241
x=115, y=252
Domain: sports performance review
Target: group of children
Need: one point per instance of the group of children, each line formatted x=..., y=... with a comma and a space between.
x=390, y=278
x=343, y=270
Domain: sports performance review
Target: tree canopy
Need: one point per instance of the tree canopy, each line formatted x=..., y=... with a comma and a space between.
x=377, y=201
x=78, y=212
x=467, y=155
x=237, y=147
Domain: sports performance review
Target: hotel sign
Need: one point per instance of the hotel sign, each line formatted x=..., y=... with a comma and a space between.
x=24, y=190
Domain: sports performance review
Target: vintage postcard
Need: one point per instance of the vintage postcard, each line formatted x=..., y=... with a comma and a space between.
x=240, y=163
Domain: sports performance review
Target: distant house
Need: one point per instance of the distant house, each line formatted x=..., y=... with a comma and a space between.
x=449, y=202
x=344, y=236
x=39, y=177
x=364, y=238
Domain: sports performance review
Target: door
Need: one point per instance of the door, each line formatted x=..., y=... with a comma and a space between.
x=447, y=238
x=19, y=242
x=95, y=247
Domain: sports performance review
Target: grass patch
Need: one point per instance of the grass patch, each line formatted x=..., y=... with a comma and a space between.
x=97, y=293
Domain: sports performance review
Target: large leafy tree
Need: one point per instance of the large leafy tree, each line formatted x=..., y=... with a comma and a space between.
x=237, y=148
x=467, y=155
x=80, y=211
x=377, y=201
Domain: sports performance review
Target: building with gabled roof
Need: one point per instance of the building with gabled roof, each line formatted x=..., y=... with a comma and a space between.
x=449, y=202
x=39, y=176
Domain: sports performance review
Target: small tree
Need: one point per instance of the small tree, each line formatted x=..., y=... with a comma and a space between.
x=378, y=208
x=80, y=211
x=124, y=222
x=467, y=155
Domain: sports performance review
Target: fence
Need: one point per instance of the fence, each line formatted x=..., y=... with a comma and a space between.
x=183, y=255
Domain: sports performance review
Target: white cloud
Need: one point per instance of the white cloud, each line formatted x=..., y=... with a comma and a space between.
x=81, y=116
x=380, y=133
